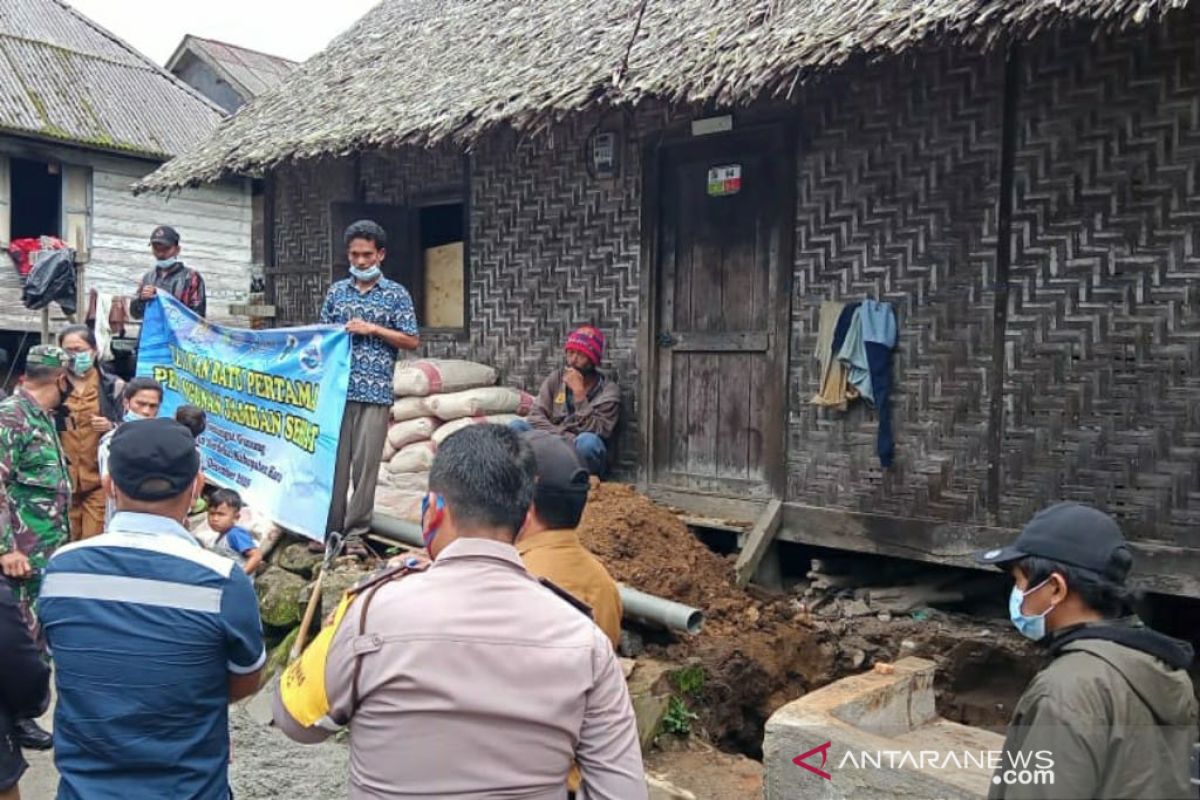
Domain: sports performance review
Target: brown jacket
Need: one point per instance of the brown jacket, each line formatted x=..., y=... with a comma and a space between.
x=562, y=559
x=475, y=681
x=556, y=411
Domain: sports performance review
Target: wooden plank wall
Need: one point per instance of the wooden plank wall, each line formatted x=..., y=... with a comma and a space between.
x=214, y=228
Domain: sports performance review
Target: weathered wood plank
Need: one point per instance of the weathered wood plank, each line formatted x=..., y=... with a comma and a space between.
x=719, y=341
x=730, y=508
x=758, y=541
x=1163, y=568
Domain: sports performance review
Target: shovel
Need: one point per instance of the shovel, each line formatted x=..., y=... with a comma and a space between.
x=259, y=706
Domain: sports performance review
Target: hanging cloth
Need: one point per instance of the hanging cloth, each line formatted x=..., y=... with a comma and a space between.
x=832, y=392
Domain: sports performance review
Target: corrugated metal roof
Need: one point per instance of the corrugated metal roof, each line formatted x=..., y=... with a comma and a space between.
x=64, y=77
x=250, y=71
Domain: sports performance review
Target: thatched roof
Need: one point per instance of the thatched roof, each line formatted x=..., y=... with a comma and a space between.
x=427, y=71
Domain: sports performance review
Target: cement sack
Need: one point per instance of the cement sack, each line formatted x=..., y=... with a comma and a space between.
x=437, y=376
x=474, y=402
x=407, y=408
x=444, y=431
x=403, y=481
x=416, y=457
x=388, y=451
x=405, y=433
x=400, y=504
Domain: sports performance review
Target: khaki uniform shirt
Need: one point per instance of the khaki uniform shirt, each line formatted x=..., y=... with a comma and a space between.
x=560, y=557
x=477, y=682
x=80, y=441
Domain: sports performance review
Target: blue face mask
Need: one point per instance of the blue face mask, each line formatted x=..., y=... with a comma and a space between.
x=131, y=417
x=366, y=275
x=1031, y=627
x=83, y=362
x=166, y=263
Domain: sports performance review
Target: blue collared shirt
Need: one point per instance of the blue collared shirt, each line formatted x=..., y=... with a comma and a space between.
x=145, y=627
x=372, y=360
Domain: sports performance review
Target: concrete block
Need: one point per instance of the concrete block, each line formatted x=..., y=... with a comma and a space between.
x=875, y=735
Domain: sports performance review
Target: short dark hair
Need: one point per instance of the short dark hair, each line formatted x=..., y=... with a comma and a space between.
x=560, y=508
x=485, y=475
x=82, y=331
x=193, y=418
x=1105, y=594
x=367, y=229
x=226, y=497
x=42, y=374
x=141, y=384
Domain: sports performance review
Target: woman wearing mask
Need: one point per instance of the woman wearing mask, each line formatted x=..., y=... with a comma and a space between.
x=93, y=409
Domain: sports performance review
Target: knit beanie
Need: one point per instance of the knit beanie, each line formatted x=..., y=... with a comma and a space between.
x=589, y=341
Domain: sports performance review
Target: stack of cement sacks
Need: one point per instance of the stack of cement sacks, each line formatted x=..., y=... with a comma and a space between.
x=435, y=398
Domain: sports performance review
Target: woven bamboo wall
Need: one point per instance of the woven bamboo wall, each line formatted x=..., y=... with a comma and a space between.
x=550, y=248
x=897, y=183
x=1102, y=398
x=898, y=198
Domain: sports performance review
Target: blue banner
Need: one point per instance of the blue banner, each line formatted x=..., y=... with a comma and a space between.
x=274, y=401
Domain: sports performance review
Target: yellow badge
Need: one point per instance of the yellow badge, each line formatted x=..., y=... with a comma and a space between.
x=302, y=687
x=561, y=399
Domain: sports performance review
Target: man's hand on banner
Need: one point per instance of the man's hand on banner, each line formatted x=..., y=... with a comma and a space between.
x=361, y=327
x=147, y=292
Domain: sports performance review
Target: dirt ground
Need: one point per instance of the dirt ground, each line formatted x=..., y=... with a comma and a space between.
x=760, y=651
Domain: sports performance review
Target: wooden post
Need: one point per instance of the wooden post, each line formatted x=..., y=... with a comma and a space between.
x=758, y=541
x=82, y=256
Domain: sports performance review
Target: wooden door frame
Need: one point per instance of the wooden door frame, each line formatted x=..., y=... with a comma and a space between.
x=653, y=156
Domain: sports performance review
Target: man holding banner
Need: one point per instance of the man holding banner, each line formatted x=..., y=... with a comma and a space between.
x=378, y=313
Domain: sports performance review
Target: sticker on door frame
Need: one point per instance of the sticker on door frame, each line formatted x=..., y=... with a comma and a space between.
x=725, y=180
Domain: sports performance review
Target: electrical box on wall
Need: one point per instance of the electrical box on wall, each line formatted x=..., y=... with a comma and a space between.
x=604, y=155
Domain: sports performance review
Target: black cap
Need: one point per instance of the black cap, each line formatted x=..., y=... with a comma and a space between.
x=153, y=459
x=1071, y=534
x=559, y=469
x=165, y=234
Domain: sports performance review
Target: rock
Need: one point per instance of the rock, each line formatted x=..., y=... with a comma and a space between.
x=628, y=665
x=885, y=616
x=908, y=644
x=855, y=608
x=342, y=575
x=631, y=644
x=649, y=689
x=279, y=597
x=649, y=711
x=277, y=659
x=295, y=558
x=661, y=789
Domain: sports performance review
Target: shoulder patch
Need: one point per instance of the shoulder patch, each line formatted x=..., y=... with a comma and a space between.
x=565, y=595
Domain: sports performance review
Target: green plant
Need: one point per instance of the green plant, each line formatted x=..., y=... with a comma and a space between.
x=678, y=719
x=690, y=680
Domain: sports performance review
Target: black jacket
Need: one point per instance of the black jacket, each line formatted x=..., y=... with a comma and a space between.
x=24, y=682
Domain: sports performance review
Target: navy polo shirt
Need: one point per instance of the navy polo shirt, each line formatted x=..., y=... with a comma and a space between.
x=145, y=627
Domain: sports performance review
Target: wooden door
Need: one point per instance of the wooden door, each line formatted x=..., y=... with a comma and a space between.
x=724, y=253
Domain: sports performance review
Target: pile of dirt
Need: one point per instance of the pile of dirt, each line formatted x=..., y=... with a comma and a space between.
x=649, y=548
x=760, y=651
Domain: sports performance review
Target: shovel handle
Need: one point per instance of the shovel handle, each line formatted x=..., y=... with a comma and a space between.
x=309, y=612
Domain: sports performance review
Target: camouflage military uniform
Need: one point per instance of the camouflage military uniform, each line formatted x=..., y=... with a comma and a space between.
x=35, y=490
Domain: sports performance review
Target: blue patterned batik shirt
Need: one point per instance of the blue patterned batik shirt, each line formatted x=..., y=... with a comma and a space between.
x=372, y=360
